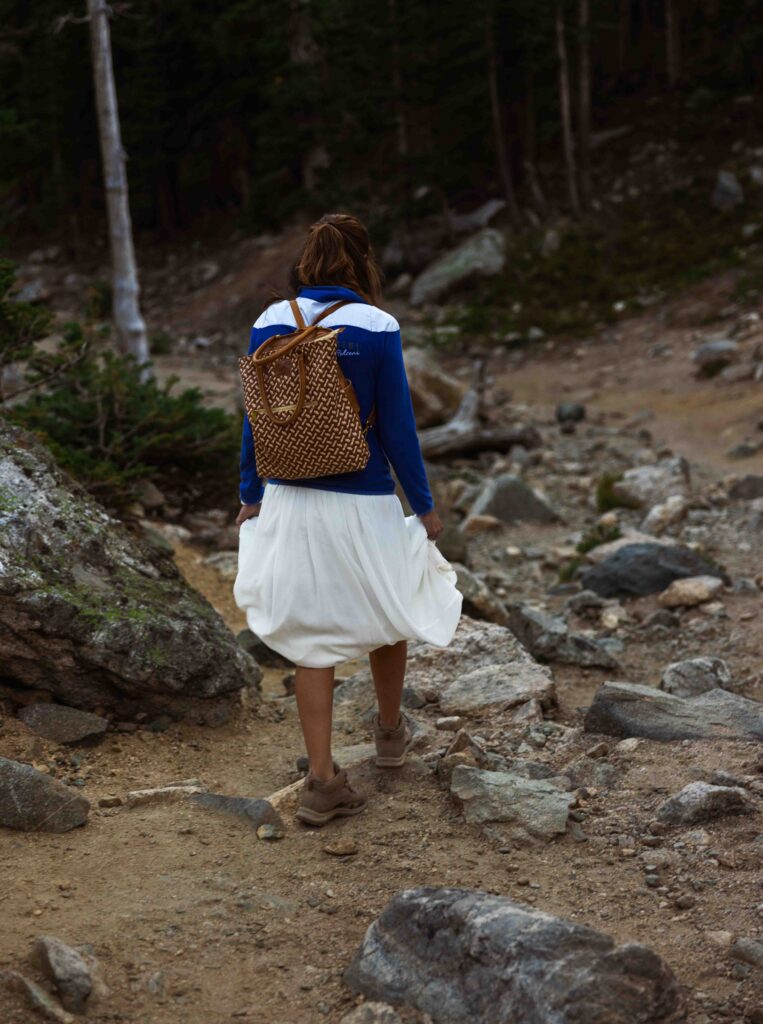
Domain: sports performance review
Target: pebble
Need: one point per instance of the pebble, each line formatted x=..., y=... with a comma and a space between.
x=110, y=801
x=341, y=848
x=598, y=750
x=686, y=902
x=451, y=723
x=268, y=831
x=652, y=881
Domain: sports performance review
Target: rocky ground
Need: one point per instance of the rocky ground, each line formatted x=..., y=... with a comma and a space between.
x=514, y=787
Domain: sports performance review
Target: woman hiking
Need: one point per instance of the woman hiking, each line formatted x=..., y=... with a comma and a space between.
x=330, y=568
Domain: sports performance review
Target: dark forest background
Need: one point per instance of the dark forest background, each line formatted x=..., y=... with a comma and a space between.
x=260, y=108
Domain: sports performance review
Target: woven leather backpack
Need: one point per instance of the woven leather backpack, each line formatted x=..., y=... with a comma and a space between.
x=303, y=411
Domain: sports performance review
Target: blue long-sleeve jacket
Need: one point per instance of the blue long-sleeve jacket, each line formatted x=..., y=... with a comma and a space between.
x=370, y=353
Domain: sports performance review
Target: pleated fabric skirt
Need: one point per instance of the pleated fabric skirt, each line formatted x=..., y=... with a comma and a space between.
x=326, y=577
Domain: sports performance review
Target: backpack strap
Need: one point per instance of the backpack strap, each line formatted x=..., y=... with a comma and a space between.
x=300, y=320
x=330, y=310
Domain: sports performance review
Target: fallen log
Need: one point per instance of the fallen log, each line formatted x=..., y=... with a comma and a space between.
x=466, y=434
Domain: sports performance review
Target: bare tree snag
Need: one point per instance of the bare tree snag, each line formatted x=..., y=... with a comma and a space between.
x=566, y=111
x=466, y=434
x=672, y=42
x=130, y=326
x=584, y=103
x=504, y=167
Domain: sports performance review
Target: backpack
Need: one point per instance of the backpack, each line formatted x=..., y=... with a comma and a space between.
x=303, y=411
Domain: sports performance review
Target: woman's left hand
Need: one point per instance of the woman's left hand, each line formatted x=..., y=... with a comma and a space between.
x=247, y=512
x=433, y=524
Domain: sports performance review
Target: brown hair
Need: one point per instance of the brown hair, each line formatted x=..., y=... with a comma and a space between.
x=338, y=251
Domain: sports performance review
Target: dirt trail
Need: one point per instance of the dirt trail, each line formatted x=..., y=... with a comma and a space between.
x=194, y=919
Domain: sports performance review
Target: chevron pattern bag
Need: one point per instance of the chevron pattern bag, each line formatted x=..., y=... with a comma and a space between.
x=303, y=411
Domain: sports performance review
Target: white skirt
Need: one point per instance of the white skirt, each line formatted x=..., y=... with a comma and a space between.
x=326, y=577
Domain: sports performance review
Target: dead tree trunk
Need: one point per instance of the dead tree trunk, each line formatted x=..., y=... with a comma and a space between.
x=566, y=111
x=130, y=327
x=584, y=104
x=504, y=167
x=672, y=42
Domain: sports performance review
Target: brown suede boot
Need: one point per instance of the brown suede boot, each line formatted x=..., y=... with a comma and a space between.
x=320, y=800
x=392, y=744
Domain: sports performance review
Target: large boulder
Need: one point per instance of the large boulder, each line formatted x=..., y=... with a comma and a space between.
x=636, y=570
x=436, y=395
x=644, y=486
x=481, y=255
x=96, y=616
x=460, y=955
x=508, y=498
x=484, y=667
x=62, y=724
x=701, y=801
x=627, y=709
x=531, y=808
x=33, y=802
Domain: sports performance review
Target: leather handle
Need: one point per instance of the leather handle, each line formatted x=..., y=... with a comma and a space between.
x=300, y=401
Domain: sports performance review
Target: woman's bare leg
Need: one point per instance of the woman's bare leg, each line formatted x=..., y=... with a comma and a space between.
x=388, y=670
x=314, y=688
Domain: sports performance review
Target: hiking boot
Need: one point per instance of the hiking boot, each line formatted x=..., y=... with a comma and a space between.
x=321, y=800
x=392, y=744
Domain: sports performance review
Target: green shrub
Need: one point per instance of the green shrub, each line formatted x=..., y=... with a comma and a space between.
x=109, y=429
x=160, y=343
x=21, y=323
x=598, y=535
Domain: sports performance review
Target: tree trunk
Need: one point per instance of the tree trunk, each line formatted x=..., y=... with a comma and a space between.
x=623, y=36
x=131, y=329
x=401, y=120
x=584, y=104
x=566, y=112
x=504, y=167
x=672, y=42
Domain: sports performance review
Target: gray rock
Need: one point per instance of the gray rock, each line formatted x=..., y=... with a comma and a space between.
x=585, y=602
x=481, y=255
x=713, y=356
x=510, y=499
x=33, y=802
x=747, y=488
x=636, y=570
x=255, y=811
x=748, y=951
x=644, y=486
x=694, y=676
x=728, y=193
x=626, y=709
x=66, y=968
x=479, y=602
x=95, y=615
x=534, y=808
x=470, y=956
x=547, y=637
x=62, y=724
x=40, y=1000
x=260, y=651
x=436, y=395
x=483, y=667
x=570, y=412
x=700, y=801
x=478, y=218
x=372, y=1013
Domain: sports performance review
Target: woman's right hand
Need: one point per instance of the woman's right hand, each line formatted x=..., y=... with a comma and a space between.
x=433, y=524
x=248, y=512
